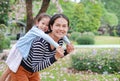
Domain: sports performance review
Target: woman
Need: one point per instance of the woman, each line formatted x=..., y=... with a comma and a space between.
x=42, y=54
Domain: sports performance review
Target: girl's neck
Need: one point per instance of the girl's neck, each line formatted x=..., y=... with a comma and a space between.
x=53, y=37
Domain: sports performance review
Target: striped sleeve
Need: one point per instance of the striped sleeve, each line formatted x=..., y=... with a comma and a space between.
x=39, y=60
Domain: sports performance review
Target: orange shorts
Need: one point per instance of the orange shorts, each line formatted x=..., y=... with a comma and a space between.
x=24, y=75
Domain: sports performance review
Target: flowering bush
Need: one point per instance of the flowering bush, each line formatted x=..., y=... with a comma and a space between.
x=97, y=60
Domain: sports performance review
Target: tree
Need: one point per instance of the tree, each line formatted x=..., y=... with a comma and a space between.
x=112, y=6
x=44, y=7
x=29, y=14
x=87, y=16
x=4, y=8
x=45, y=4
x=111, y=21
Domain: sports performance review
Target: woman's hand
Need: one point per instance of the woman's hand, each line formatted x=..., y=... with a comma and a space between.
x=59, y=52
x=69, y=48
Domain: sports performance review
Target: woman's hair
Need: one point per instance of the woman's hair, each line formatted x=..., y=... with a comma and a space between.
x=56, y=16
x=40, y=16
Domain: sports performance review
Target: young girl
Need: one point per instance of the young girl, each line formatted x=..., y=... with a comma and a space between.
x=21, y=48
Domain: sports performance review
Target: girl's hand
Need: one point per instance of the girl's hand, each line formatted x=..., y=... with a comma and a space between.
x=59, y=52
x=69, y=47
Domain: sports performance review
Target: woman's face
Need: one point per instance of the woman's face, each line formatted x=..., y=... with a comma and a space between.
x=60, y=28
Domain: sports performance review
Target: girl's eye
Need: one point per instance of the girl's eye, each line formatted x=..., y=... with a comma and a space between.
x=42, y=23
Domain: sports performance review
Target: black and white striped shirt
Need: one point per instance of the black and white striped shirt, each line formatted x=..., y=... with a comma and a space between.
x=40, y=56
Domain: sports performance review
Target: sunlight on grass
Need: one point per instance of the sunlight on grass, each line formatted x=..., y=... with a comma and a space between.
x=107, y=40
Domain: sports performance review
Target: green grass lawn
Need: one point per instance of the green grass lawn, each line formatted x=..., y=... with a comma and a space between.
x=99, y=40
x=105, y=40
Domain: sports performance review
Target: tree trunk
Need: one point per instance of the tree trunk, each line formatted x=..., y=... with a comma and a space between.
x=29, y=15
x=45, y=5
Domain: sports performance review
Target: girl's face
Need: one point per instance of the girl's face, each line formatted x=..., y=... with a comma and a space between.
x=43, y=24
x=59, y=28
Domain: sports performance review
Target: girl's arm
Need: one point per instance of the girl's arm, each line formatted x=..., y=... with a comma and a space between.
x=40, y=33
x=66, y=40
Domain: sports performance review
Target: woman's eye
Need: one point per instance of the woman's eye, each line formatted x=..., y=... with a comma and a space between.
x=57, y=25
x=64, y=26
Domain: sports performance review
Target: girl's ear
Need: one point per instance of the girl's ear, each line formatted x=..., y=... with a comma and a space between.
x=36, y=23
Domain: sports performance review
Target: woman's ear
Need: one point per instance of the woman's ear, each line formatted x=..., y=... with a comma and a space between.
x=51, y=27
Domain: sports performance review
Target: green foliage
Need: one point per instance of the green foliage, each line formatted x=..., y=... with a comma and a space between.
x=2, y=37
x=12, y=37
x=85, y=40
x=102, y=61
x=74, y=36
x=87, y=16
x=4, y=42
x=51, y=9
x=88, y=34
x=2, y=28
x=67, y=9
x=112, y=6
x=110, y=18
x=4, y=8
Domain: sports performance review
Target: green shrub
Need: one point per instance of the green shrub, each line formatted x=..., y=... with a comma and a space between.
x=1, y=46
x=88, y=34
x=13, y=37
x=4, y=8
x=85, y=40
x=102, y=61
x=113, y=33
x=74, y=36
x=1, y=40
x=6, y=43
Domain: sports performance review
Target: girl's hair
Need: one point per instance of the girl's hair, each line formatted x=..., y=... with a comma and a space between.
x=54, y=17
x=40, y=16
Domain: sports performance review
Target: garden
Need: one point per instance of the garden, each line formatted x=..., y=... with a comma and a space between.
x=86, y=65
x=94, y=31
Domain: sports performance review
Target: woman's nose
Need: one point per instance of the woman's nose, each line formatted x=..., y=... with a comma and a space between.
x=61, y=28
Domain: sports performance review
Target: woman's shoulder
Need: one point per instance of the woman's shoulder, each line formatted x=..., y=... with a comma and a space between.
x=39, y=39
x=60, y=42
x=43, y=41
